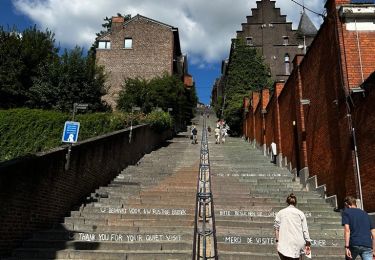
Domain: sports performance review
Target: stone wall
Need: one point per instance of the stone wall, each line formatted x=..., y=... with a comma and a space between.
x=36, y=192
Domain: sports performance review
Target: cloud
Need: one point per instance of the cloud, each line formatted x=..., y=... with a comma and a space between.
x=205, y=27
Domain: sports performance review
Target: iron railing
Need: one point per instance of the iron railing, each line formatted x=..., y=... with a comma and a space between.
x=204, y=244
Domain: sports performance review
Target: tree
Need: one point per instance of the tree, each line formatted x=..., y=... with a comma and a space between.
x=160, y=92
x=246, y=72
x=73, y=78
x=22, y=55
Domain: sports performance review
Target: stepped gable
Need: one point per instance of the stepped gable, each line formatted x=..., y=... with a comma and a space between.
x=268, y=31
x=266, y=12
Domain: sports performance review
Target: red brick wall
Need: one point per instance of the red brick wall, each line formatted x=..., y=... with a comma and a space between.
x=287, y=116
x=271, y=121
x=258, y=124
x=328, y=141
x=324, y=77
x=364, y=120
x=273, y=118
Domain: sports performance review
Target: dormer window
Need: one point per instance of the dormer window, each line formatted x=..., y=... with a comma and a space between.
x=285, y=40
x=128, y=43
x=249, y=41
x=104, y=45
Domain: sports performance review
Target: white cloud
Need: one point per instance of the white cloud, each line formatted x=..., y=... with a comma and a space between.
x=205, y=27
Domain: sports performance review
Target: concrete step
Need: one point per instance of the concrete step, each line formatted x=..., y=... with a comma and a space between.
x=40, y=253
x=153, y=244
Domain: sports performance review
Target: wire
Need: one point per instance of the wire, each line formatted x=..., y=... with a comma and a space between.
x=308, y=9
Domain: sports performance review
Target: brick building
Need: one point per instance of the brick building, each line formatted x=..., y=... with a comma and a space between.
x=270, y=33
x=323, y=117
x=139, y=47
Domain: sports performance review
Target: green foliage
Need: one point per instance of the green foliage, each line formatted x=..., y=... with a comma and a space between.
x=160, y=92
x=73, y=78
x=25, y=131
x=22, y=55
x=159, y=120
x=33, y=75
x=246, y=72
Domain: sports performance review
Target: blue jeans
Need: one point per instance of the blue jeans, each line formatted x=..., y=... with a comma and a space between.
x=364, y=252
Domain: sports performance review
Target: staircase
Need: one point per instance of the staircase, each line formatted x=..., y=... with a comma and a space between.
x=148, y=210
x=248, y=192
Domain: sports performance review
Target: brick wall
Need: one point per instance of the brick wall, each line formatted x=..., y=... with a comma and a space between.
x=151, y=55
x=364, y=120
x=36, y=192
x=287, y=116
x=322, y=139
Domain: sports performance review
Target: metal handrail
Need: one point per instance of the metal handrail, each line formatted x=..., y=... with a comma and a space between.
x=204, y=225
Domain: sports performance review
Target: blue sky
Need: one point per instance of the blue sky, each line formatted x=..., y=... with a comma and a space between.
x=205, y=27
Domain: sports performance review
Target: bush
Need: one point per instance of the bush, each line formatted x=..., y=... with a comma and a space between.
x=159, y=120
x=24, y=131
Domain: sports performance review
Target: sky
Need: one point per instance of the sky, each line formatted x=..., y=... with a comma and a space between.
x=206, y=27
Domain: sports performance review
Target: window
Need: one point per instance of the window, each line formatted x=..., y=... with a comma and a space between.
x=249, y=41
x=128, y=43
x=104, y=45
x=287, y=64
x=285, y=40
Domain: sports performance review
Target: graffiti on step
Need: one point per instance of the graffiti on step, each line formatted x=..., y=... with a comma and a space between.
x=264, y=241
x=250, y=213
x=248, y=174
x=144, y=211
x=116, y=237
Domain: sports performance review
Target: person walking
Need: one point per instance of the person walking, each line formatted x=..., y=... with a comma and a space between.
x=217, y=135
x=292, y=234
x=359, y=231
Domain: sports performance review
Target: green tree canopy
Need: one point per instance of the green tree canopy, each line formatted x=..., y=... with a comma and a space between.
x=160, y=92
x=33, y=74
x=246, y=72
x=73, y=78
x=22, y=55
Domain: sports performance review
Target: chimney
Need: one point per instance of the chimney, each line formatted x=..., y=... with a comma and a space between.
x=117, y=23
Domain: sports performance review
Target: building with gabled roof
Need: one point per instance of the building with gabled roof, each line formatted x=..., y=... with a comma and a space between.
x=139, y=47
x=272, y=35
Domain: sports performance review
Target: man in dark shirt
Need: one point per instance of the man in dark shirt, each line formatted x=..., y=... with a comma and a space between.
x=359, y=231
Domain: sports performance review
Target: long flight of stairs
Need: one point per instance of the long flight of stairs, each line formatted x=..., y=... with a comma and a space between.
x=248, y=192
x=147, y=211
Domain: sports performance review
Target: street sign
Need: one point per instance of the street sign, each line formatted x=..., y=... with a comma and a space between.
x=70, y=134
x=80, y=106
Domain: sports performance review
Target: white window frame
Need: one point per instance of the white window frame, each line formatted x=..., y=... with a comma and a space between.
x=104, y=45
x=128, y=43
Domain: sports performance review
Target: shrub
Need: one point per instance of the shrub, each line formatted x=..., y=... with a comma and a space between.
x=24, y=131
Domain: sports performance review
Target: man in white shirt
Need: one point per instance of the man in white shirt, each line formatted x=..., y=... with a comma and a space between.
x=292, y=235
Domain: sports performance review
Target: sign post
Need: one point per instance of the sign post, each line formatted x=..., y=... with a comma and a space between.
x=71, y=130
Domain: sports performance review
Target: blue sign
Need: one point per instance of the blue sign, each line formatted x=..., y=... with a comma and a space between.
x=70, y=134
